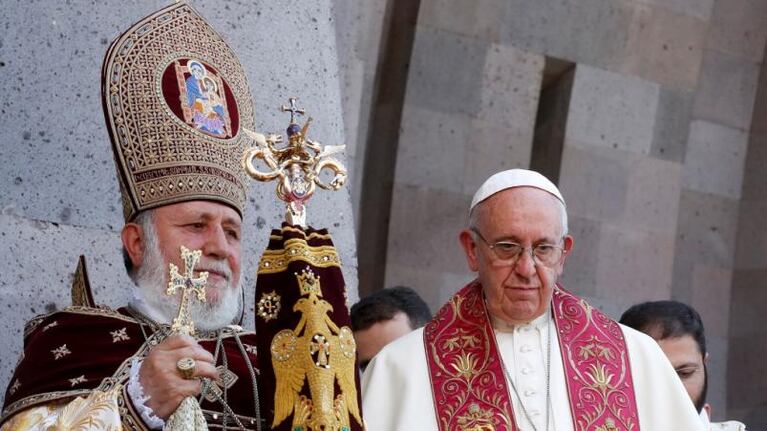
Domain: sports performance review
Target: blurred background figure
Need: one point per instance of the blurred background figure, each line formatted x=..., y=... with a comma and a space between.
x=678, y=329
x=384, y=316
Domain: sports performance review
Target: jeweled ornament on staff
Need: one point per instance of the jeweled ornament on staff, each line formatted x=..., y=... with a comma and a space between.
x=297, y=167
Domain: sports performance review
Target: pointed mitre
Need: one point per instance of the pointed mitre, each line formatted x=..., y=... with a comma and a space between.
x=176, y=100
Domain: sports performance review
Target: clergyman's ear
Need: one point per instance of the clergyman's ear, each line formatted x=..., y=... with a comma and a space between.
x=133, y=240
x=470, y=248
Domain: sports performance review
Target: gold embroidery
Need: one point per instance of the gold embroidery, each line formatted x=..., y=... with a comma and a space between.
x=598, y=364
x=50, y=325
x=161, y=157
x=18, y=407
x=60, y=352
x=321, y=353
x=459, y=351
x=100, y=310
x=476, y=419
x=32, y=419
x=77, y=380
x=269, y=306
x=250, y=349
x=27, y=402
x=609, y=426
x=296, y=249
x=120, y=335
x=98, y=411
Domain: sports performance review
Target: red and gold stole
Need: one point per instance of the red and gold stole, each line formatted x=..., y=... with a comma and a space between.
x=466, y=370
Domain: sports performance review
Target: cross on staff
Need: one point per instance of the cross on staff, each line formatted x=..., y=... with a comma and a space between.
x=292, y=109
x=189, y=286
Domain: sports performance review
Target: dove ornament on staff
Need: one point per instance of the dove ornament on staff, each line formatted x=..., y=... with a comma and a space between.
x=297, y=166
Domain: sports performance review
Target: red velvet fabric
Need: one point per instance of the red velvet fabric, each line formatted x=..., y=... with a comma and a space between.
x=95, y=354
x=466, y=369
x=286, y=285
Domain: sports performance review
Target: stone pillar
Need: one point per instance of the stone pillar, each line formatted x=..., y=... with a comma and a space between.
x=747, y=382
x=712, y=183
x=469, y=111
x=59, y=195
x=362, y=31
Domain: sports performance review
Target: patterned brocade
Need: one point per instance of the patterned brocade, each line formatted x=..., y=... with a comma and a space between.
x=101, y=343
x=597, y=367
x=293, y=245
x=175, y=98
x=468, y=384
x=302, y=321
x=469, y=387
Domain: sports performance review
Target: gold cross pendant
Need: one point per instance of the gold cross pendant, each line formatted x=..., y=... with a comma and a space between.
x=189, y=285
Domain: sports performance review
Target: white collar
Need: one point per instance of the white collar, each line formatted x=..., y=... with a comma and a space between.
x=539, y=323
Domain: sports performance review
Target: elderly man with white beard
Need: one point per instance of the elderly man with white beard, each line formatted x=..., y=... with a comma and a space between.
x=151, y=244
x=181, y=187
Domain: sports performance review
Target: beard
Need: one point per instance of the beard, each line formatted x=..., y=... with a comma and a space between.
x=700, y=400
x=151, y=282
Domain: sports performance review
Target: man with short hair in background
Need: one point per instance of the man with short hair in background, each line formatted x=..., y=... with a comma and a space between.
x=384, y=316
x=678, y=329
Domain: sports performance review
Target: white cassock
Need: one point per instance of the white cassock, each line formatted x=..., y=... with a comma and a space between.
x=720, y=426
x=397, y=392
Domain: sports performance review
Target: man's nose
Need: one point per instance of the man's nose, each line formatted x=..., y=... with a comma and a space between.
x=525, y=265
x=216, y=244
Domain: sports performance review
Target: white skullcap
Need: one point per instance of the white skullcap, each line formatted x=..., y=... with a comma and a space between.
x=514, y=178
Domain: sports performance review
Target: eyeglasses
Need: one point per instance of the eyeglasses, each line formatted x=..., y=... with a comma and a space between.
x=508, y=253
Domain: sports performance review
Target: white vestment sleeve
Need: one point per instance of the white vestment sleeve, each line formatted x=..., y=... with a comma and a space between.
x=396, y=391
x=663, y=403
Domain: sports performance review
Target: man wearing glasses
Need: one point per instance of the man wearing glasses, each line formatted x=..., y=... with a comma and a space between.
x=513, y=350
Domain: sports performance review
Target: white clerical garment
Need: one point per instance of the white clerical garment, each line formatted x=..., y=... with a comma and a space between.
x=720, y=426
x=397, y=393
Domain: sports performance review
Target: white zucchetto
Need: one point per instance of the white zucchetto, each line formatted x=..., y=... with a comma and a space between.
x=514, y=178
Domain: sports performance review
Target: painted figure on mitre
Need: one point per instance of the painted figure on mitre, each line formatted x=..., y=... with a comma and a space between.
x=205, y=107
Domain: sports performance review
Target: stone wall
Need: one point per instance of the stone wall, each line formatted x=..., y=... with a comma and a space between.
x=360, y=28
x=654, y=144
x=747, y=336
x=59, y=194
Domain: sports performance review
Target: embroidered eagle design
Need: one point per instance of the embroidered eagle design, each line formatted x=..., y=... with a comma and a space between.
x=319, y=353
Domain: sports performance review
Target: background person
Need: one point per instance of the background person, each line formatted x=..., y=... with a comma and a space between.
x=678, y=329
x=384, y=316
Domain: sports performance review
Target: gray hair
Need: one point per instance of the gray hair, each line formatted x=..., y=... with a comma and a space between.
x=145, y=220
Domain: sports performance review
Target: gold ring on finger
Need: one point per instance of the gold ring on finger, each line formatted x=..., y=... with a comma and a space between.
x=185, y=367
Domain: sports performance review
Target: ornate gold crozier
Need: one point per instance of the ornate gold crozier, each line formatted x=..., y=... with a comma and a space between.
x=303, y=324
x=188, y=416
x=297, y=167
